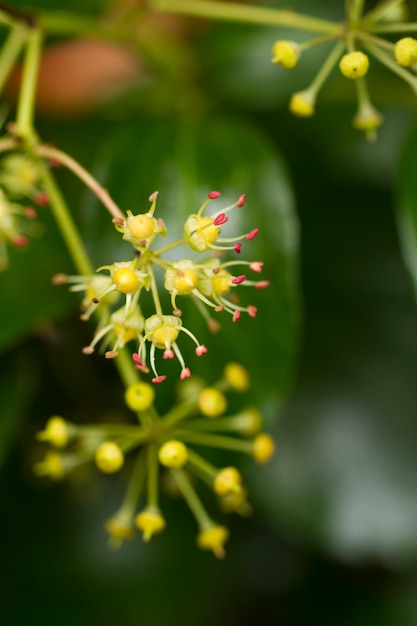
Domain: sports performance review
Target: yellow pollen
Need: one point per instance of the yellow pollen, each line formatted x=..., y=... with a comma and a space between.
x=221, y=283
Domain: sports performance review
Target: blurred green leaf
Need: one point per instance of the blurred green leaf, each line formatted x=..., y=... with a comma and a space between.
x=28, y=297
x=184, y=162
x=407, y=204
x=17, y=385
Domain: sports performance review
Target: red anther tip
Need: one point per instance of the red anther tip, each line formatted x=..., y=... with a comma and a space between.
x=252, y=233
x=41, y=199
x=238, y=279
x=237, y=247
x=153, y=196
x=158, y=379
x=220, y=219
x=168, y=354
x=256, y=266
x=241, y=200
x=20, y=241
x=185, y=373
x=137, y=360
x=252, y=310
x=262, y=284
x=236, y=316
x=214, y=194
x=200, y=350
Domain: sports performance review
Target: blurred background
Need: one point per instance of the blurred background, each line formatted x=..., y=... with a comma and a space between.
x=185, y=106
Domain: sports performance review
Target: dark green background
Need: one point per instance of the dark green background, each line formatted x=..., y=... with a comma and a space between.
x=333, y=541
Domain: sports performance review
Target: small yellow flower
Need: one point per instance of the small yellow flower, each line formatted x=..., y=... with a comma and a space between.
x=151, y=522
x=57, y=432
x=139, y=396
x=354, y=65
x=302, y=104
x=109, y=457
x=237, y=376
x=52, y=465
x=227, y=480
x=263, y=448
x=119, y=527
x=173, y=454
x=212, y=402
x=286, y=53
x=213, y=538
x=406, y=51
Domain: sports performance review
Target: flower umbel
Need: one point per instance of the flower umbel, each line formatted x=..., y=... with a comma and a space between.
x=208, y=282
x=166, y=442
x=355, y=40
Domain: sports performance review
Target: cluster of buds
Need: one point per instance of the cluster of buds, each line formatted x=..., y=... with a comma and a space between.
x=354, y=40
x=163, y=447
x=117, y=296
x=19, y=190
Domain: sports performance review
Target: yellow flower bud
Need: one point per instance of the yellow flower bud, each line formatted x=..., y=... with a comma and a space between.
x=151, y=522
x=212, y=402
x=141, y=226
x=125, y=280
x=119, y=528
x=405, y=51
x=367, y=119
x=354, y=65
x=56, y=432
x=213, y=538
x=52, y=465
x=173, y=454
x=227, y=480
x=286, y=53
x=237, y=376
x=139, y=396
x=302, y=104
x=263, y=448
x=109, y=457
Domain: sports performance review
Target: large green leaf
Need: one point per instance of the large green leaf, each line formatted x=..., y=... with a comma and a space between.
x=184, y=162
x=28, y=298
x=407, y=204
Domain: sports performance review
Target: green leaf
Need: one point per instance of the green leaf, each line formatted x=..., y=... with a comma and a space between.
x=407, y=204
x=185, y=162
x=28, y=297
x=17, y=385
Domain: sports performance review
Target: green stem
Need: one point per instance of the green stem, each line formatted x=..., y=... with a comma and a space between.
x=399, y=27
x=379, y=11
x=64, y=159
x=327, y=67
x=208, y=9
x=153, y=467
x=66, y=224
x=192, y=499
x=135, y=485
x=10, y=51
x=204, y=468
x=216, y=441
x=389, y=62
x=154, y=290
x=27, y=95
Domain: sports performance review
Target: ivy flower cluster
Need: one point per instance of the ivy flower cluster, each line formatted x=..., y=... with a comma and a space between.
x=116, y=295
x=20, y=190
x=355, y=41
x=163, y=455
